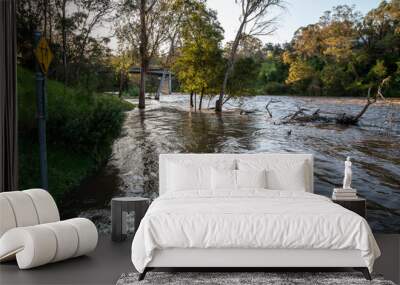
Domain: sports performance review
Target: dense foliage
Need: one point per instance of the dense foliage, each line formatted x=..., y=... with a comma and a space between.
x=200, y=62
x=80, y=130
x=345, y=53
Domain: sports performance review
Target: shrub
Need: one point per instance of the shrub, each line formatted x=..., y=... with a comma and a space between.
x=275, y=88
x=81, y=128
x=132, y=91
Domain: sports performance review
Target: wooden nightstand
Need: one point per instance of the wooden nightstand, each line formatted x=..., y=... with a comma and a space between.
x=358, y=205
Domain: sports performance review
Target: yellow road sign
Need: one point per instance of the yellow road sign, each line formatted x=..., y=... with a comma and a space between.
x=43, y=55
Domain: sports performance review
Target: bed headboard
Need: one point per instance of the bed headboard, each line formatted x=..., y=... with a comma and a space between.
x=212, y=158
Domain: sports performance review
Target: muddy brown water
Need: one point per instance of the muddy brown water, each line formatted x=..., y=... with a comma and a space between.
x=169, y=127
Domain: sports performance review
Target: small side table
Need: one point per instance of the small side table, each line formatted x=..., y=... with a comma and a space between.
x=119, y=208
x=358, y=205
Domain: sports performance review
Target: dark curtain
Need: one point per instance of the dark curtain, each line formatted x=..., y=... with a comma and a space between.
x=8, y=98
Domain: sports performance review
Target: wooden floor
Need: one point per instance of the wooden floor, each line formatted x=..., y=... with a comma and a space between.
x=110, y=260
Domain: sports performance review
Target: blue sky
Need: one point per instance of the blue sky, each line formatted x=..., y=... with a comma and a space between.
x=298, y=13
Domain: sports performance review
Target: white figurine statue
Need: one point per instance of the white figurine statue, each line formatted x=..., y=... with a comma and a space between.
x=347, y=174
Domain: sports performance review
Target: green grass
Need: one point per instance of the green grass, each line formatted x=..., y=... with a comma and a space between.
x=66, y=168
x=81, y=128
x=132, y=92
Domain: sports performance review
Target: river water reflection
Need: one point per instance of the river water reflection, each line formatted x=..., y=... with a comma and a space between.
x=167, y=126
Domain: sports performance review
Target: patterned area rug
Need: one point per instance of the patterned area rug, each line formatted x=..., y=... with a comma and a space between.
x=243, y=278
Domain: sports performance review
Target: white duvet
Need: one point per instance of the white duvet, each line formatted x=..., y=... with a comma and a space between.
x=250, y=219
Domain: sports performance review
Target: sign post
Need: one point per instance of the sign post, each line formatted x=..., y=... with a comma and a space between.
x=43, y=59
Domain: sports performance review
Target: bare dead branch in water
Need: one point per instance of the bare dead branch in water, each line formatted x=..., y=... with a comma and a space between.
x=247, y=112
x=351, y=119
x=291, y=117
x=343, y=118
x=271, y=101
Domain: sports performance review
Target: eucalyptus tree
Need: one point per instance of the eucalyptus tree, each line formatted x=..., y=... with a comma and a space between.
x=257, y=18
x=88, y=18
x=72, y=30
x=200, y=62
x=30, y=17
x=77, y=26
x=63, y=25
x=144, y=24
x=121, y=62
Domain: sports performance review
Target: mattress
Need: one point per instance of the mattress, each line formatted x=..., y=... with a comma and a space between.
x=251, y=219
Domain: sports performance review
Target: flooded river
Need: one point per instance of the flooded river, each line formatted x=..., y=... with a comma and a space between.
x=168, y=126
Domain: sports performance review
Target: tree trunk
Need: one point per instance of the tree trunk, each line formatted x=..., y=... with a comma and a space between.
x=142, y=104
x=195, y=102
x=191, y=99
x=361, y=113
x=126, y=81
x=45, y=4
x=201, y=98
x=231, y=61
x=50, y=26
x=64, y=41
x=209, y=101
x=120, y=84
x=143, y=54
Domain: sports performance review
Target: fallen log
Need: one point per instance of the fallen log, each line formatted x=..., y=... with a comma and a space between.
x=344, y=119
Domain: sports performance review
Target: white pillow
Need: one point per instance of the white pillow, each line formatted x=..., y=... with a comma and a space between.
x=291, y=177
x=282, y=174
x=188, y=177
x=251, y=178
x=223, y=179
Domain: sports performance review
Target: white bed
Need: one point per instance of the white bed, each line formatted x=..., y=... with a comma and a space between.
x=280, y=225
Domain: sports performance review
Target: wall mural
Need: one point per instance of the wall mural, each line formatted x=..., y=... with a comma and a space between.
x=116, y=97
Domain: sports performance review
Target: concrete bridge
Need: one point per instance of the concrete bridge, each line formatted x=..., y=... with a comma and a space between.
x=165, y=86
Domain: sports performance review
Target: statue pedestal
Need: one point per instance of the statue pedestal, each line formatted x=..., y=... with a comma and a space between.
x=344, y=193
